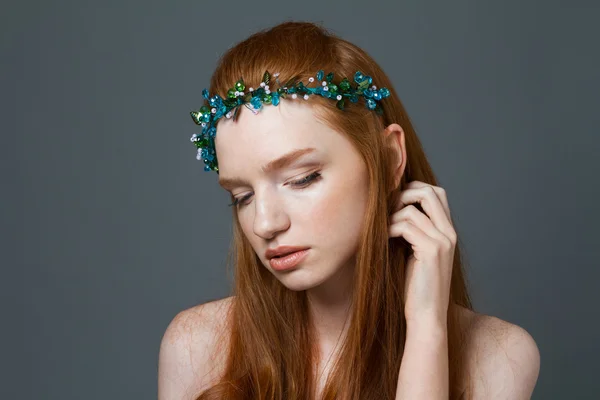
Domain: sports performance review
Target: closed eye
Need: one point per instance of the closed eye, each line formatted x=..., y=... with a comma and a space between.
x=301, y=183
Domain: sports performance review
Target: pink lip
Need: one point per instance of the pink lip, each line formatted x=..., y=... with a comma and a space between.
x=282, y=250
x=288, y=261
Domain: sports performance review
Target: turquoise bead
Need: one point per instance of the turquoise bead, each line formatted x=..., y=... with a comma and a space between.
x=358, y=77
x=256, y=103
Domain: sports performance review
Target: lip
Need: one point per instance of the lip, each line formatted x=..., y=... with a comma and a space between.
x=282, y=250
x=288, y=261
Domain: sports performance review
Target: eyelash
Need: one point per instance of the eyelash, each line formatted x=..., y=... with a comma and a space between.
x=304, y=182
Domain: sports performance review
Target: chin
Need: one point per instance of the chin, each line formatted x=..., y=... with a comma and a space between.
x=298, y=279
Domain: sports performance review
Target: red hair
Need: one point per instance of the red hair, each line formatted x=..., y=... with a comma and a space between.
x=271, y=347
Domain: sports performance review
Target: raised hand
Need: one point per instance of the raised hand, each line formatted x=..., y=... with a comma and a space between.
x=433, y=240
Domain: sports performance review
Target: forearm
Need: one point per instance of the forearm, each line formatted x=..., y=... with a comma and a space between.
x=424, y=369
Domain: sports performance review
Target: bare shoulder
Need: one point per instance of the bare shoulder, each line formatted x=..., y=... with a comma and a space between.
x=503, y=359
x=191, y=349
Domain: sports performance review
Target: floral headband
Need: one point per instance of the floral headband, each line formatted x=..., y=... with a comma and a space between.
x=215, y=106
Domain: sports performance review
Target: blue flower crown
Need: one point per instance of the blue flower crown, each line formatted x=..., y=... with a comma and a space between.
x=211, y=112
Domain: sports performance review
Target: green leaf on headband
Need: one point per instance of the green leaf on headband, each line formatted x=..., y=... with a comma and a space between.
x=266, y=78
x=235, y=113
x=363, y=85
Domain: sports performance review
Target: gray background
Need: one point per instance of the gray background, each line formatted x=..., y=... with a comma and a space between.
x=110, y=225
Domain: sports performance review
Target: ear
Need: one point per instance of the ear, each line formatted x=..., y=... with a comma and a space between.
x=394, y=136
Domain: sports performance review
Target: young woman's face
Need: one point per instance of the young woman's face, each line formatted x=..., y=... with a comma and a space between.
x=318, y=200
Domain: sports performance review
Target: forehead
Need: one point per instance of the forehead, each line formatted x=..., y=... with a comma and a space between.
x=255, y=139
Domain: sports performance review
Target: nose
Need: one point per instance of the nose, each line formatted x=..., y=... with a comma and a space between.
x=270, y=216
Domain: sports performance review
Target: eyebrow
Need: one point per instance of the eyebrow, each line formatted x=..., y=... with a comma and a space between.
x=276, y=164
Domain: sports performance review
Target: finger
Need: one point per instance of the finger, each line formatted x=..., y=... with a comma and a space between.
x=416, y=217
x=413, y=235
x=431, y=204
x=439, y=191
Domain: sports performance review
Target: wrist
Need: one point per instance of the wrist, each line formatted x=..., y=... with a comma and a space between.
x=427, y=327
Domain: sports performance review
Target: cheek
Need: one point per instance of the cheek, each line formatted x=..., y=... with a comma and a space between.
x=340, y=212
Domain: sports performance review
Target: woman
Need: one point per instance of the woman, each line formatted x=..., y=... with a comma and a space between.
x=371, y=301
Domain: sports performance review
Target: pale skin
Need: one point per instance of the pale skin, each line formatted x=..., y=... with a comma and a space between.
x=424, y=370
x=504, y=359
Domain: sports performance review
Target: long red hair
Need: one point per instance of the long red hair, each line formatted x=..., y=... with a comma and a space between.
x=271, y=347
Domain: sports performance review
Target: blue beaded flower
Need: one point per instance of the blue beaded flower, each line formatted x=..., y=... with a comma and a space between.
x=215, y=106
